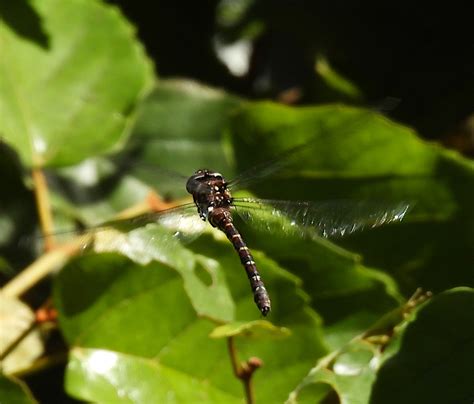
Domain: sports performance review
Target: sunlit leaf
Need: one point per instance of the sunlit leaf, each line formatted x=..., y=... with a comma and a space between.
x=202, y=278
x=106, y=376
x=16, y=318
x=99, y=295
x=78, y=99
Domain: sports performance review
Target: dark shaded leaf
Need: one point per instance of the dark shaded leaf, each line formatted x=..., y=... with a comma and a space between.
x=433, y=355
x=14, y=392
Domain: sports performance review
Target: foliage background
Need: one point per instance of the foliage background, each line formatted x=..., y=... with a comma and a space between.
x=135, y=317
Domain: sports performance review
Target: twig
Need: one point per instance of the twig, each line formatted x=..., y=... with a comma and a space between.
x=44, y=207
x=244, y=371
x=44, y=265
x=56, y=258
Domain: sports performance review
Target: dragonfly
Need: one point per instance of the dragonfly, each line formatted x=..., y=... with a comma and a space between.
x=214, y=203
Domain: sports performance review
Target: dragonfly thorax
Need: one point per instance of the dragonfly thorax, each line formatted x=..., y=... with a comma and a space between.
x=210, y=193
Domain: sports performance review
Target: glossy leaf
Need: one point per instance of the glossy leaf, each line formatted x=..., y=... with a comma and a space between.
x=98, y=295
x=74, y=103
x=109, y=376
x=203, y=281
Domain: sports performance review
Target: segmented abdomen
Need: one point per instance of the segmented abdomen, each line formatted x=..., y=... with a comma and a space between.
x=260, y=294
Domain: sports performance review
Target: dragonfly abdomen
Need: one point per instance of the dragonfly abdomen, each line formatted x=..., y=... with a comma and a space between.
x=260, y=293
x=213, y=200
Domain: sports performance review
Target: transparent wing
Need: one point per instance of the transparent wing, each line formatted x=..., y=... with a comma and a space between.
x=265, y=169
x=144, y=241
x=166, y=181
x=330, y=219
x=182, y=222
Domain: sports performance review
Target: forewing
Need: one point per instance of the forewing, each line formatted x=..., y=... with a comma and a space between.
x=265, y=169
x=181, y=222
x=152, y=236
x=330, y=219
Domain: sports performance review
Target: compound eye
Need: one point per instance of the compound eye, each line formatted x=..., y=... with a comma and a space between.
x=217, y=176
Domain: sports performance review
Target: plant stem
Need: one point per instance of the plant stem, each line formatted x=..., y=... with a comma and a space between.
x=47, y=263
x=44, y=207
x=59, y=256
x=243, y=371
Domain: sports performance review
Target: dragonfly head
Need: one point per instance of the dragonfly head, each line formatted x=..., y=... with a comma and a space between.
x=200, y=177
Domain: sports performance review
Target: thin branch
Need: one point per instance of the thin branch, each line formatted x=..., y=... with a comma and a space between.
x=43, y=266
x=56, y=258
x=243, y=371
x=44, y=207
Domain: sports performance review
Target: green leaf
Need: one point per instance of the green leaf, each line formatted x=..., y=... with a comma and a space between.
x=427, y=356
x=432, y=356
x=106, y=376
x=256, y=329
x=98, y=295
x=349, y=295
x=349, y=374
x=359, y=155
x=203, y=281
x=340, y=142
x=180, y=128
x=14, y=392
x=78, y=100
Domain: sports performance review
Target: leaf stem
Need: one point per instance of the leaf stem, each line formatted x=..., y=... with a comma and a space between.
x=243, y=371
x=44, y=207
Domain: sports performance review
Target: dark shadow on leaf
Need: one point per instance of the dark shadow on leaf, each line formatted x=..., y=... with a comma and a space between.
x=17, y=209
x=76, y=279
x=22, y=18
x=203, y=274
